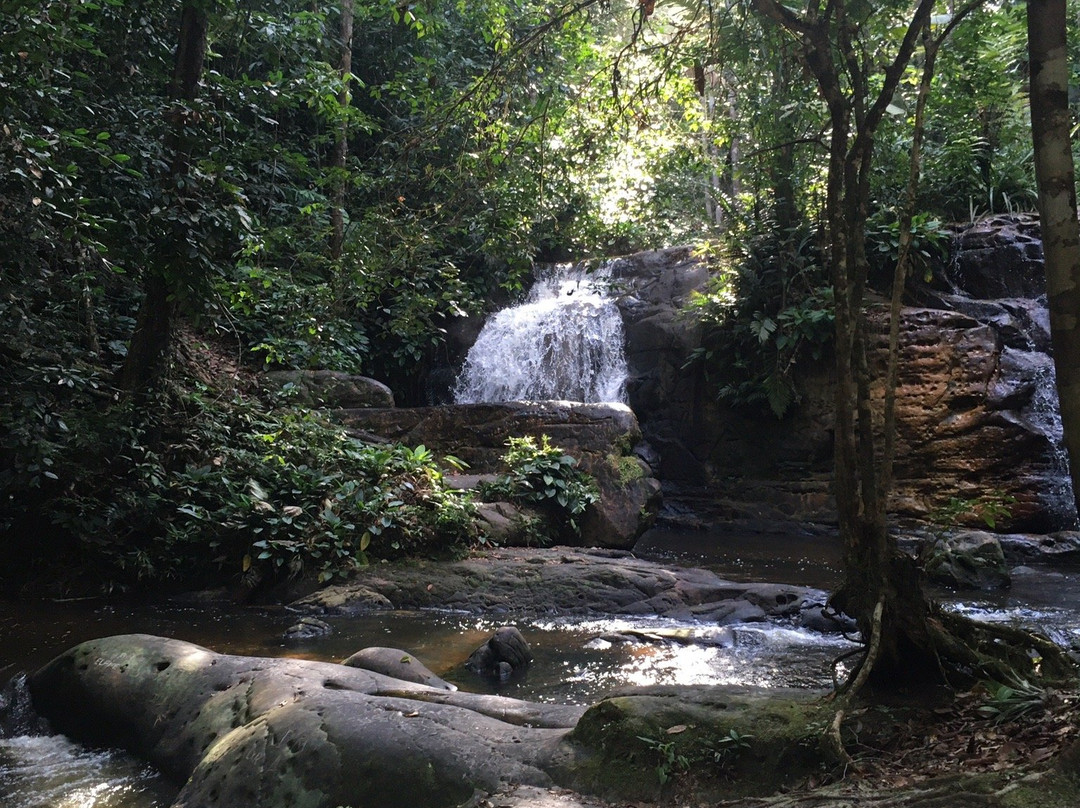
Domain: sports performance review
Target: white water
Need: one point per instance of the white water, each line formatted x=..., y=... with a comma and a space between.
x=564, y=342
x=1046, y=414
x=39, y=769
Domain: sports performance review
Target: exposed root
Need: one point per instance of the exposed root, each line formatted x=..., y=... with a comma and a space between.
x=997, y=652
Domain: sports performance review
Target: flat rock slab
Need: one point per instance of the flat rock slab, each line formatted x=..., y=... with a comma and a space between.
x=562, y=582
x=249, y=732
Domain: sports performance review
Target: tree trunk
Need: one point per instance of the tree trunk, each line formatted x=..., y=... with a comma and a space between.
x=1055, y=174
x=341, y=145
x=150, y=343
x=881, y=587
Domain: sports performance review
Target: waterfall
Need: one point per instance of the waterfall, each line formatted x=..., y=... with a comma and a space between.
x=1046, y=416
x=564, y=342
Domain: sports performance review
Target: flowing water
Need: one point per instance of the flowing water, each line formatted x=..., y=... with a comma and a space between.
x=1046, y=415
x=564, y=342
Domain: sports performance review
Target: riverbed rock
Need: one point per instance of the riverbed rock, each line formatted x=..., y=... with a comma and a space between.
x=246, y=732
x=970, y=559
x=757, y=741
x=601, y=437
x=249, y=732
x=398, y=664
x=566, y=582
x=329, y=388
x=504, y=656
x=307, y=628
x=1059, y=548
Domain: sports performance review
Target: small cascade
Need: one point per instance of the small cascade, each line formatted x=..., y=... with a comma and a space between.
x=39, y=769
x=1046, y=415
x=564, y=342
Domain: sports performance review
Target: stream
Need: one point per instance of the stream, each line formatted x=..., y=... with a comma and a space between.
x=576, y=661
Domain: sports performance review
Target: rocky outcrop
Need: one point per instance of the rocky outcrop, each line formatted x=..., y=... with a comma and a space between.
x=328, y=388
x=563, y=582
x=975, y=401
x=602, y=438
x=247, y=732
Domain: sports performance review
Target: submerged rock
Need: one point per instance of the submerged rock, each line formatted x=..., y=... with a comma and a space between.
x=307, y=628
x=398, y=664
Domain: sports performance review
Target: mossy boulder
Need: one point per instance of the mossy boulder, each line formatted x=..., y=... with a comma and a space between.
x=718, y=741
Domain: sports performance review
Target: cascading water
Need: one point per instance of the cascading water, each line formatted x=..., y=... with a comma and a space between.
x=1046, y=414
x=564, y=342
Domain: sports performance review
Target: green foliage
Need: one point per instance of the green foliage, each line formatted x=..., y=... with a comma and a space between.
x=989, y=508
x=542, y=474
x=929, y=244
x=670, y=760
x=728, y=748
x=760, y=318
x=200, y=488
x=1018, y=699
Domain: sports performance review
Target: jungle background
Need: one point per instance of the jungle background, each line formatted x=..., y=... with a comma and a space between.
x=341, y=181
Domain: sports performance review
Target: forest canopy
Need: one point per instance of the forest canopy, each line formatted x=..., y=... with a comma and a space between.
x=465, y=141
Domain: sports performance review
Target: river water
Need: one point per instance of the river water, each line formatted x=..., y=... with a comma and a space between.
x=575, y=661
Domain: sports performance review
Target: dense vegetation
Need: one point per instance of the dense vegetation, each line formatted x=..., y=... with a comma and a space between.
x=480, y=136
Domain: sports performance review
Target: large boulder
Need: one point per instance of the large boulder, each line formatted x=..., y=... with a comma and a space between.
x=245, y=732
x=971, y=559
x=328, y=388
x=601, y=437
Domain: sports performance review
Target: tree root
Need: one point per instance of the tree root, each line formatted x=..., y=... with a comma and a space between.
x=997, y=652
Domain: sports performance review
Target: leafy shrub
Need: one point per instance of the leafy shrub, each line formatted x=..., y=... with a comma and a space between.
x=544, y=475
x=763, y=313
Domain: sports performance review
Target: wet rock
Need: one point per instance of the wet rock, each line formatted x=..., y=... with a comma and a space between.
x=246, y=732
x=398, y=664
x=969, y=560
x=822, y=619
x=563, y=581
x=307, y=628
x=998, y=257
x=505, y=655
x=1061, y=547
x=330, y=389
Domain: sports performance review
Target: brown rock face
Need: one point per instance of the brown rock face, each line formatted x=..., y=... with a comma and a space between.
x=974, y=401
x=967, y=420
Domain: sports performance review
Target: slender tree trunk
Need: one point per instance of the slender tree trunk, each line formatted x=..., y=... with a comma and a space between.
x=881, y=588
x=341, y=145
x=1055, y=174
x=150, y=343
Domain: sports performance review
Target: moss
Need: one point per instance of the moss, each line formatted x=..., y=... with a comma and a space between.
x=711, y=742
x=626, y=468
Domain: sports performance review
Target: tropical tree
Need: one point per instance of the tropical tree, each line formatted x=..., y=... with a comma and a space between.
x=1051, y=125
x=842, y=46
